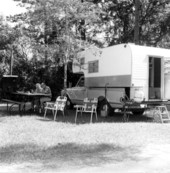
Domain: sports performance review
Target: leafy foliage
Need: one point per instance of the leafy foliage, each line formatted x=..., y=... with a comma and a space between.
x=119, y=21
x=55, y=29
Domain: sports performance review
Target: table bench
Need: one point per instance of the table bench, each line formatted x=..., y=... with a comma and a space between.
x=21, y=105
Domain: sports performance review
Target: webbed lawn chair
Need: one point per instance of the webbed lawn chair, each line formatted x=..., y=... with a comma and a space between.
x=89, y=106
x=58, y=105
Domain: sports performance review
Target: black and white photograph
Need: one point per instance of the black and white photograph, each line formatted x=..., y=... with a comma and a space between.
x=85, y=86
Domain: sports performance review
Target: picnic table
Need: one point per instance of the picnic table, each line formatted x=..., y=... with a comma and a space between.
x=20, y=98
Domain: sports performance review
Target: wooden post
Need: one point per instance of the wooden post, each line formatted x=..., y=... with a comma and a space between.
x=67, y=53
x=11, y=63
x=65, y=76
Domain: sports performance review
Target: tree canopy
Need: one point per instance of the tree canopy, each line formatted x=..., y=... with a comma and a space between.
x=114, y=24
x=119, y=21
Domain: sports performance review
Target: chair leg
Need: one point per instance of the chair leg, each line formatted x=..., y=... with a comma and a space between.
x=76, y=116
x=91, y=117
x=45, y=113
x=55, y=115
x=63, y=113
x=96, y=116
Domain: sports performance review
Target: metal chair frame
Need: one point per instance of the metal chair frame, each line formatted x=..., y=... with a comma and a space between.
x=59, y=104
x=89, y=106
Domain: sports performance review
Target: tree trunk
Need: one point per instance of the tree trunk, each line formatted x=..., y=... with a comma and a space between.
x=136, y=29
x=65, y=76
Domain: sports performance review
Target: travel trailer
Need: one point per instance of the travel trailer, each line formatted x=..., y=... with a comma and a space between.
x=141, y=73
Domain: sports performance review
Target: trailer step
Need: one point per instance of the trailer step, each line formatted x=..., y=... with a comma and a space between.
x=161, y=114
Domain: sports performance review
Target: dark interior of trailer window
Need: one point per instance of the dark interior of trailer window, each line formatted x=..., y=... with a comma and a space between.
x=93, y=66
x=80, y=83
x=154, y=78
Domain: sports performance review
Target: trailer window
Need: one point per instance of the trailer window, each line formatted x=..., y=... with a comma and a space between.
x=93, y=66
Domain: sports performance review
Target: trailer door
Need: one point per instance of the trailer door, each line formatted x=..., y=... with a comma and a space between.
x=155, y=83
x=166, y=77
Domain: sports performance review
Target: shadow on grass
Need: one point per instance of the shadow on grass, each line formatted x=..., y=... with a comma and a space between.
x=66, y=155
x=85, y=118
x=70, y=117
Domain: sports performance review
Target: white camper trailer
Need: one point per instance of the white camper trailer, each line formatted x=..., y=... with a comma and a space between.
x=142, y=73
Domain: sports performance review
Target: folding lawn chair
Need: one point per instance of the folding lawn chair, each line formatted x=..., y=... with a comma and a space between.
x=89, y=106
x=59, y=104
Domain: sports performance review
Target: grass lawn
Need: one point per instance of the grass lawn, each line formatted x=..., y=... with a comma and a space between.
x=34, y=144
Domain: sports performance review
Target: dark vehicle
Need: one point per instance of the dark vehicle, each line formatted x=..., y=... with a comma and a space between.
x=8, y=85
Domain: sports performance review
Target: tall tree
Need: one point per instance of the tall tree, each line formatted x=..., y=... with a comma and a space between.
x=54, y=27
x=119, y=23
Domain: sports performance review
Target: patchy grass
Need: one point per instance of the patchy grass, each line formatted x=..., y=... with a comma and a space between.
x=47, y=133
x=59, y=145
